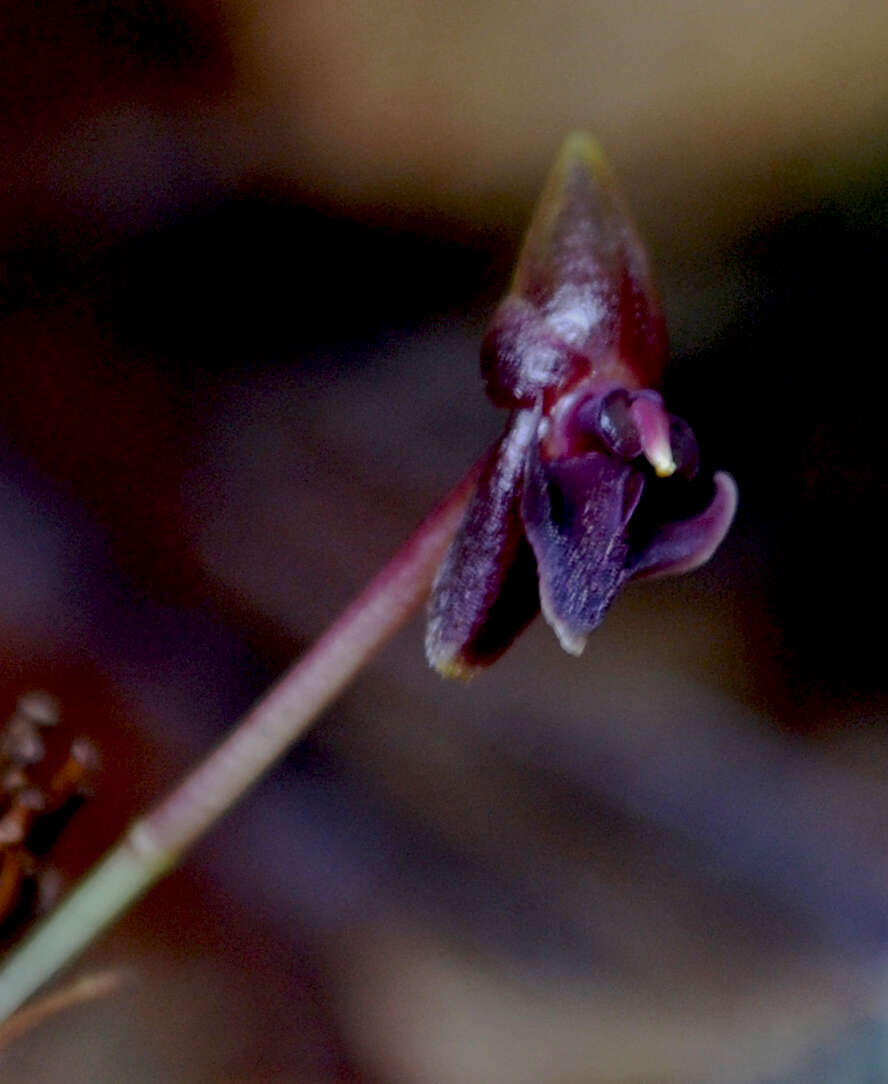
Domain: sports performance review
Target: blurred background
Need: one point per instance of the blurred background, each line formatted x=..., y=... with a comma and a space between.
x=246, y=255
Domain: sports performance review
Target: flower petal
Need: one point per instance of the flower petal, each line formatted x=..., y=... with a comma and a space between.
x=485, y=592
x=576, y=512
x=687, y=544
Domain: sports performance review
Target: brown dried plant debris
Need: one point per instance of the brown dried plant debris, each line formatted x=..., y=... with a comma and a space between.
x=45, y=777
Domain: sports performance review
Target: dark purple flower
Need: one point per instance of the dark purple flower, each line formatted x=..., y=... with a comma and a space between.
x=593, y=482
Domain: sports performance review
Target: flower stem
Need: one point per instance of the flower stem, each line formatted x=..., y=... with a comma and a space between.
x=155, y=843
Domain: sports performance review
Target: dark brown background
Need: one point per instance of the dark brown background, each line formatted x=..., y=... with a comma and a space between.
x=247, y=253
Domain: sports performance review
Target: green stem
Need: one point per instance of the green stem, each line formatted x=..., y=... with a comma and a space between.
x=154, y=844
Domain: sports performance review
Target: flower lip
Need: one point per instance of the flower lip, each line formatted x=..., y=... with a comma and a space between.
x=681, y=545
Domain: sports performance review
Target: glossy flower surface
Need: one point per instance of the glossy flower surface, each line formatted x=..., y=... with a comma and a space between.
x=593, y=482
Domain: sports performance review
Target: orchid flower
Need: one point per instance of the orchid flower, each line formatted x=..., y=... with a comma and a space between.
x=589, y=485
